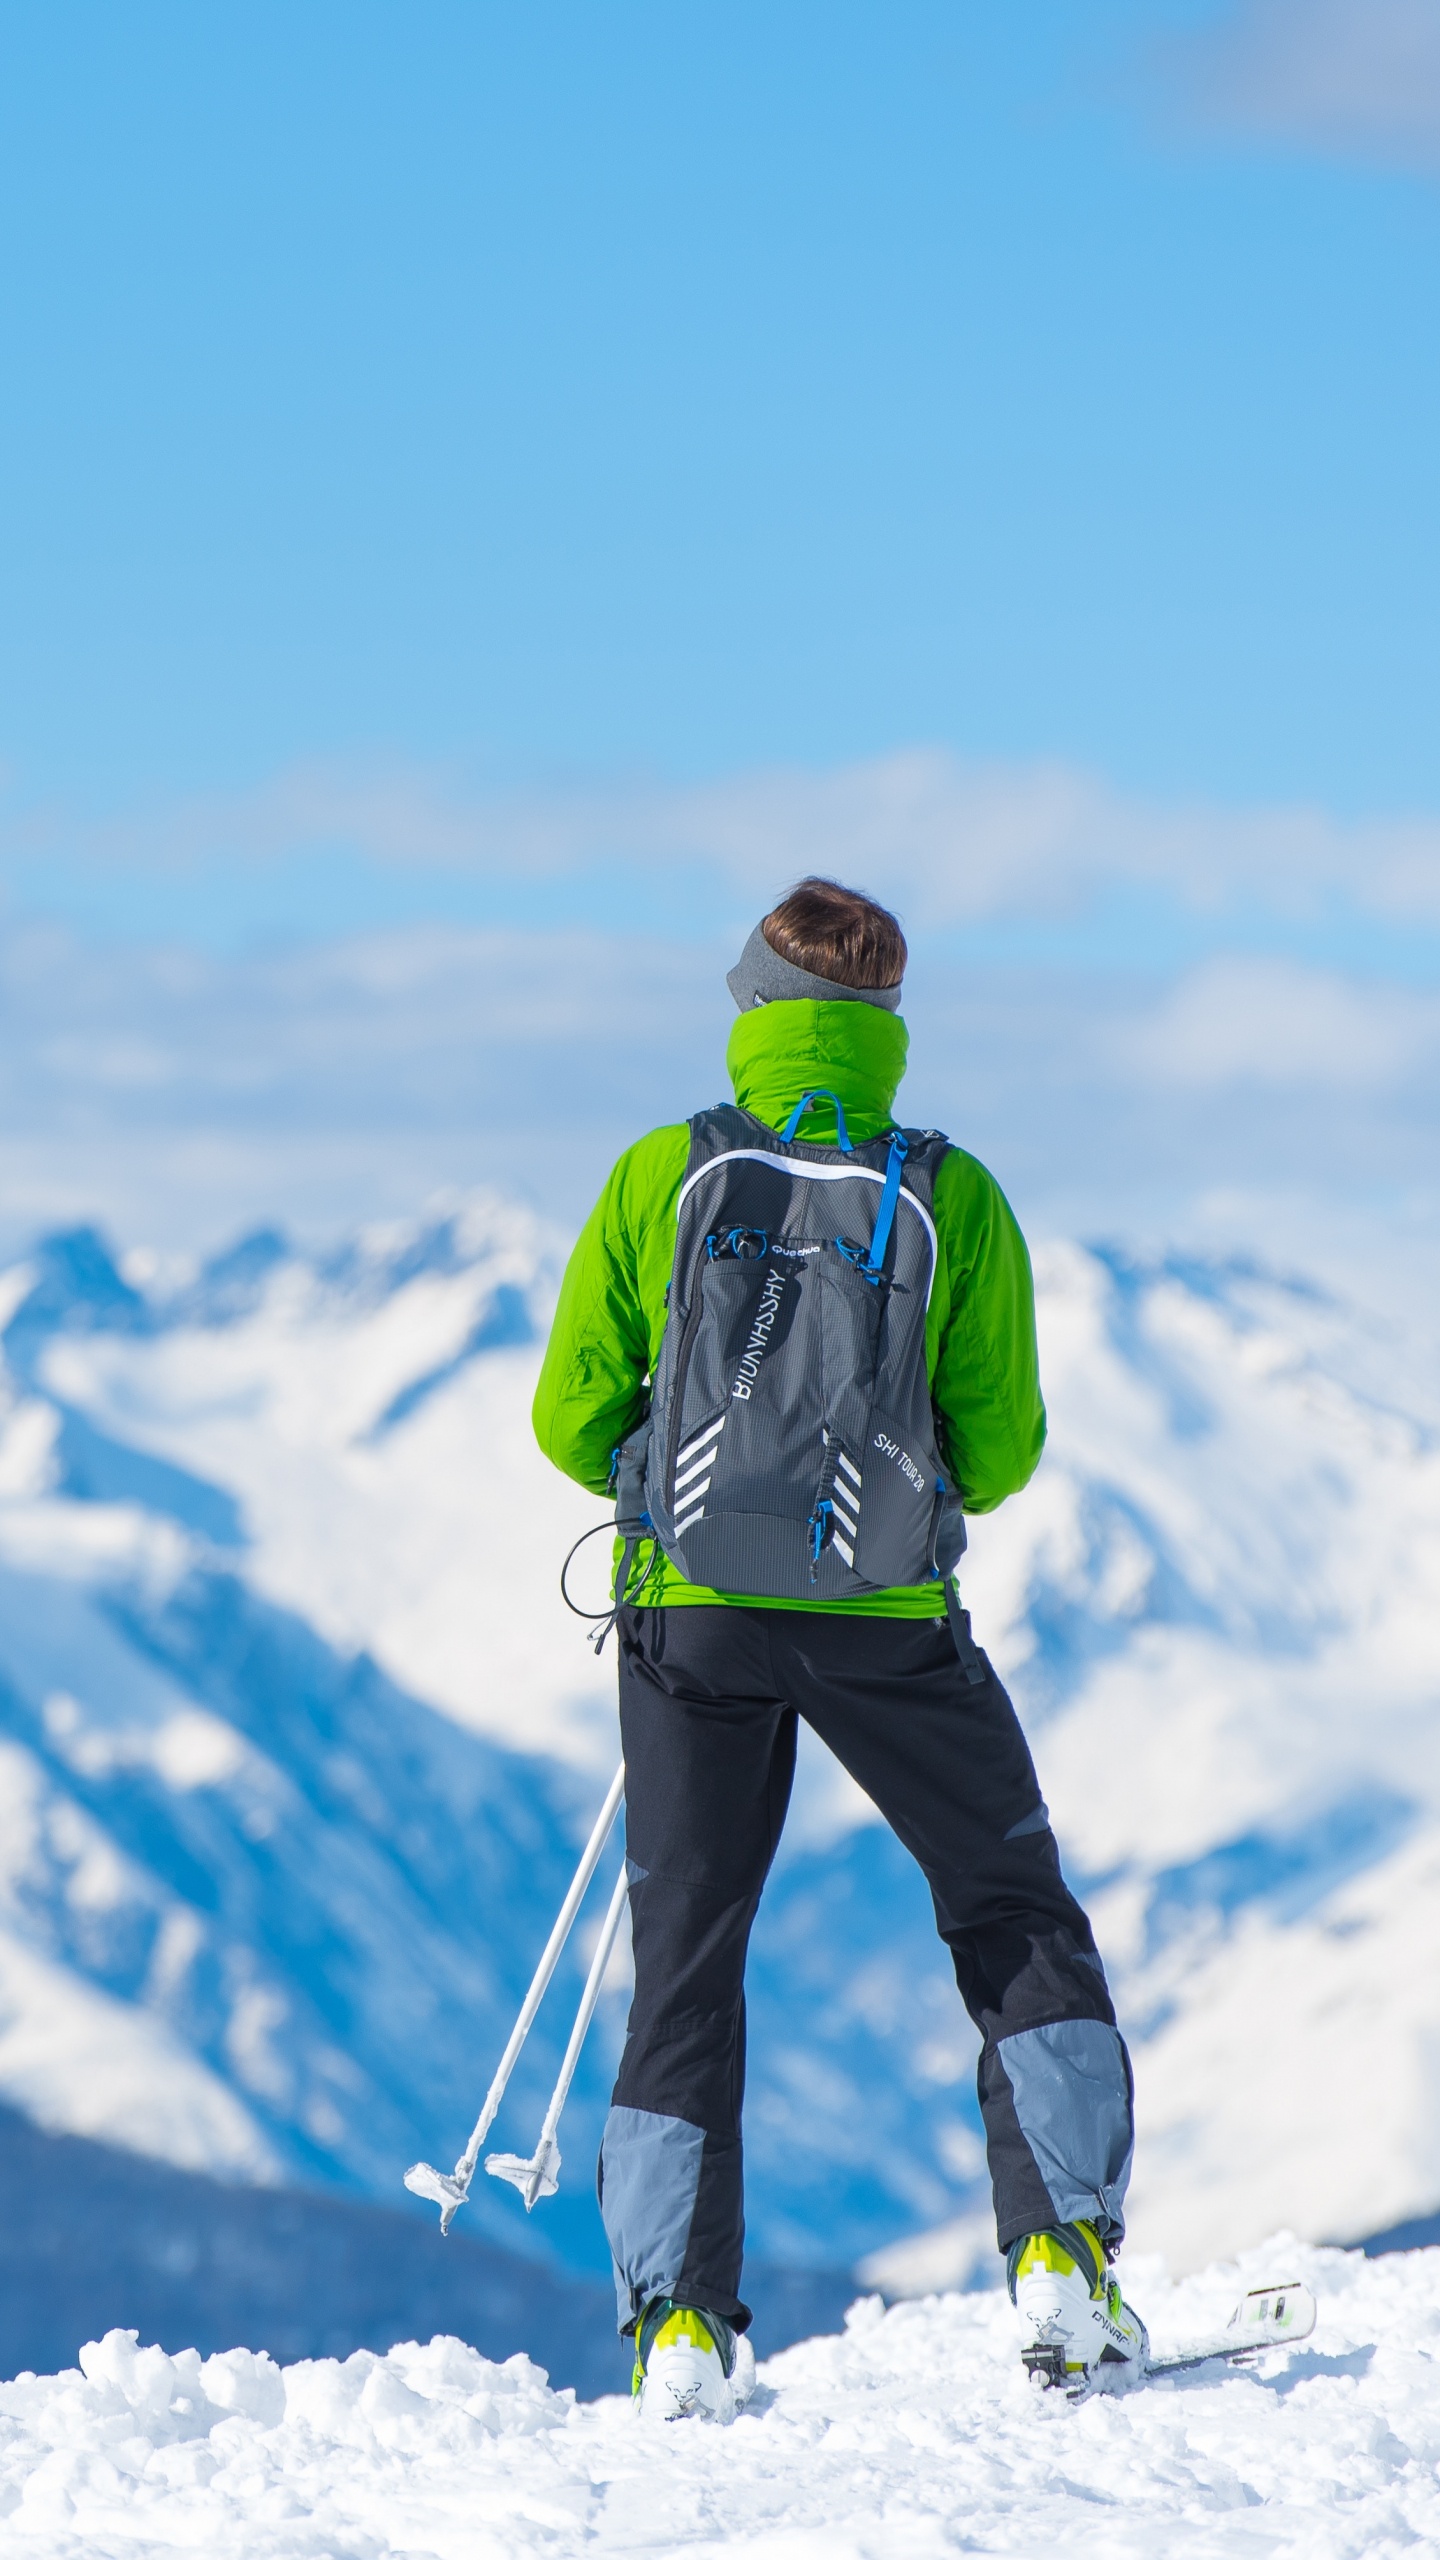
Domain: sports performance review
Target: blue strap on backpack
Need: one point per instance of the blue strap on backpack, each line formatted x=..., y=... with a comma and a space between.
x=820, y=1093
x=872, y=1264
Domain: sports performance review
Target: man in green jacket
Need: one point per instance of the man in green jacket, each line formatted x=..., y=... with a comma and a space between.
x=711, y=1683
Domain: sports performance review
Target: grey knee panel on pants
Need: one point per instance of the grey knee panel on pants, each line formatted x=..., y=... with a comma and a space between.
x=1071, y=2089
x=649, y=2181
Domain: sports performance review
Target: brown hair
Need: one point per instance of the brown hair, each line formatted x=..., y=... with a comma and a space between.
x=837, y=933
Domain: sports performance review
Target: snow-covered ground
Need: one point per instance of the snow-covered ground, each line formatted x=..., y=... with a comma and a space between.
x=297, y=1736
x=913, y=2436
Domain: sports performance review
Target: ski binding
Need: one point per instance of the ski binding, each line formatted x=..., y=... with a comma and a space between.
x=1275, y=2315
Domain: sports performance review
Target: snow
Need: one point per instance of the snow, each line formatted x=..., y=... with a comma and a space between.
x=915, y=2434
x=78, y=2061
x=389, y=1481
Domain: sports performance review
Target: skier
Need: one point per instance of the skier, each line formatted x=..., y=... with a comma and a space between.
x=712, y=1678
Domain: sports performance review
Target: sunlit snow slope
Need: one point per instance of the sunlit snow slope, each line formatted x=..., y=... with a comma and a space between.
x=913, y=2436
x=298, y=1739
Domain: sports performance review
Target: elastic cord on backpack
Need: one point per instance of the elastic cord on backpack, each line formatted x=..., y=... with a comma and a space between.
x=623, y=1596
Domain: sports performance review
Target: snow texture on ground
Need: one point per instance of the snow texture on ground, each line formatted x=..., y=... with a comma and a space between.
x=912, y=2436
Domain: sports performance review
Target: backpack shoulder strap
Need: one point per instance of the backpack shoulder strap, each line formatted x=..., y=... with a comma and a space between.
x=724, y=1129
x=717, y=1131
x=927, y=1150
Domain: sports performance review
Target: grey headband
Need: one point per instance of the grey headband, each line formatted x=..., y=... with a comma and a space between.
x=760, y=976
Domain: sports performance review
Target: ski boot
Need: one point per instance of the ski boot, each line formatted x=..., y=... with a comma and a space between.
x=1072, y=2316
x=690, y=2364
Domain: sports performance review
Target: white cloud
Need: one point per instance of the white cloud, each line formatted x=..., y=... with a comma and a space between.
x=1354, y=75
x=949, y=842
x=336, y=1084
x=330, y=1087
x=1261, y=1022
x=178, y=1095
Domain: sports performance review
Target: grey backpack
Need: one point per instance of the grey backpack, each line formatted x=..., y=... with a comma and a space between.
x=789, y=1451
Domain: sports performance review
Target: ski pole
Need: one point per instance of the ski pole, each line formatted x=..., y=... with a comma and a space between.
x=450, y=2193
x=540, y=2175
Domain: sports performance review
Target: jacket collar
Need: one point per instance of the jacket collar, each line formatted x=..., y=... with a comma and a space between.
x=779, y=1051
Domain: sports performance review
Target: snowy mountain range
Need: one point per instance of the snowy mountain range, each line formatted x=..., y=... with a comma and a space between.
x=298, y=1740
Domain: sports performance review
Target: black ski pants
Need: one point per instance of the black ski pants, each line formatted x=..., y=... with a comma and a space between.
x=709, y=1698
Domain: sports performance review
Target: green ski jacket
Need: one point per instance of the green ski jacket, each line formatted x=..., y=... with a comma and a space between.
x=979, y=1336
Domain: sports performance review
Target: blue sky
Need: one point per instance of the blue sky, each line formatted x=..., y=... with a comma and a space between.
x=685, y=389
x=547, y=472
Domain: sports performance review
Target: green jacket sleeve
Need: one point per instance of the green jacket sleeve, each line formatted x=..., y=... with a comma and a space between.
x=984, y=1365
x=611, y=1312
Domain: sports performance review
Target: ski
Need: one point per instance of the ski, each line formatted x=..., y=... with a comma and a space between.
x=1276, y=2315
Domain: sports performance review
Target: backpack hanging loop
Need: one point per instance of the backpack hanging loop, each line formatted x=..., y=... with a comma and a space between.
x=820, y=1093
